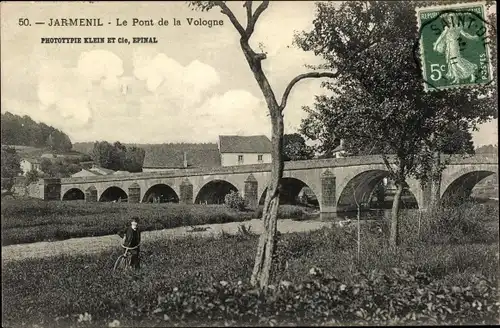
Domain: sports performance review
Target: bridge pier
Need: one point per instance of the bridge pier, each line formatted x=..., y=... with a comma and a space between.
x=328, y=190
x=186, y=192
x=91, y=194
x=428, y=192
x=50, y=189
x=251, y=192
x=134, y=193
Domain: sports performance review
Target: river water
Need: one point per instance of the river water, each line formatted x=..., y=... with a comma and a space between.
x=381, y=214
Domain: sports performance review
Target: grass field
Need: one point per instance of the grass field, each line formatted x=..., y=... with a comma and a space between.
x=33, y=220
x=447, y=274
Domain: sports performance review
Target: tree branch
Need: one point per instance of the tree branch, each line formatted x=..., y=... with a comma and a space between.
x=251, y=22
x=226, y=11
x=312, y=74
x=301, y=77
x=248, y=6
x=389, y=167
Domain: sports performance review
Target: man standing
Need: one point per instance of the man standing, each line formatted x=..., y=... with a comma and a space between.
x=132, y=240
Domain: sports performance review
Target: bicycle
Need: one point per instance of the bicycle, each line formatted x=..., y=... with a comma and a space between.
x=123, y=262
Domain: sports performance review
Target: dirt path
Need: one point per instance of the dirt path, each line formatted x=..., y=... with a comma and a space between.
x=89, y=245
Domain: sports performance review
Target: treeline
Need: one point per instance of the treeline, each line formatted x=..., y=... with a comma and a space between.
x=23, y=131
x=487, y=149
x=117, y=156
x=87, y=147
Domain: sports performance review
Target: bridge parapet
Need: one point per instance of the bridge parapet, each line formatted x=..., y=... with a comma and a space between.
x=292, y=165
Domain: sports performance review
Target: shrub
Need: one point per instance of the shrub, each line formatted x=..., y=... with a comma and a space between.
x=235, y=201
x=385, y=298
x=32, y=176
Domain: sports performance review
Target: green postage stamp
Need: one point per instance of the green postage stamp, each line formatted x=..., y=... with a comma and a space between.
x=454, y=46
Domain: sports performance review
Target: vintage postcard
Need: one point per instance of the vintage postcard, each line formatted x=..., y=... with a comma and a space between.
x=247, y=163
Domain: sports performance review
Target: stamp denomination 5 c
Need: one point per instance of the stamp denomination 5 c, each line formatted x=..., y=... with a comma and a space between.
x=454, y=47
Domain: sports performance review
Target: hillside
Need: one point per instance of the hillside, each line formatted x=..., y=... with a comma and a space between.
x=34, y=152
x=86, y=147
x=23, y=131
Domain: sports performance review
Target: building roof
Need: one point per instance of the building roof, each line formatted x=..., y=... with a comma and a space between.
x=86, y=170
x=32, y=160
x=172, y=156
x=100, y=170
x=122, y=172
x=245, y=144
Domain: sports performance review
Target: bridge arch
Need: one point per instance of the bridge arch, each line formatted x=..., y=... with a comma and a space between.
x=112, y=194
x=214, y=192
x=293, y=191
x=360, y=186
x=459, y=186
x=74, y=194
x=161, y=193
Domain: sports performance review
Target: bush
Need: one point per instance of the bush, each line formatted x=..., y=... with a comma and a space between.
x=465, y=224
x=32, y=176
x=393, y=298
x=235, y=201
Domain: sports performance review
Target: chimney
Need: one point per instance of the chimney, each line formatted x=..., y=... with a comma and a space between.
x=185, y=160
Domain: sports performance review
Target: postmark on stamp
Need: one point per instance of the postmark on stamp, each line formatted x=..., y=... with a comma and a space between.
x=454, y=46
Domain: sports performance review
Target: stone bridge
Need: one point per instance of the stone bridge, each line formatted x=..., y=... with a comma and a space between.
x=338, y=184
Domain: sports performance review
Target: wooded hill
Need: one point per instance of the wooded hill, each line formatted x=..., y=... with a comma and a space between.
x=23, y=131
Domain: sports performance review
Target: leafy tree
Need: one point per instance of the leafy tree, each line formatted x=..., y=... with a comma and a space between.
x=11, y=167
x=32, y=176
x=267, y=240
x=295, y=148
x=59, y=168
x=46, y=166
x=118, y=156
x=101, y=154
x=487, y=149
x=134, y=159
x=17, y=130
x=50, y=142
x=385, y=108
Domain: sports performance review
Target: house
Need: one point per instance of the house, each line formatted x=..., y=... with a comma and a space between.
x=101, y=170
x=92, y=172
x=28, y=164
x=228, y=151
x=170, y=157
x=84, y=173
x=121, y=173
x=244, y=150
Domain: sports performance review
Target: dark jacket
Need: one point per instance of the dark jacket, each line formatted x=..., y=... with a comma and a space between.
x=132, y=237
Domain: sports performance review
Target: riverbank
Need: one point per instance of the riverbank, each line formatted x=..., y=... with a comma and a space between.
x=94, y=245
x=32, y=220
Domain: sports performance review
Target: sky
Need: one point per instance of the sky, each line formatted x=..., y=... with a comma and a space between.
x=191, y=86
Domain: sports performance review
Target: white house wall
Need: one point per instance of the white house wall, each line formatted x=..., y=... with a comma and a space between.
x=231, y=159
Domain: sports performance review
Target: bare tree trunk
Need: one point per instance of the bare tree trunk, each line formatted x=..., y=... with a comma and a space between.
x=359, y=232
x=265, y=250
x=394, y=238
x=435, y=181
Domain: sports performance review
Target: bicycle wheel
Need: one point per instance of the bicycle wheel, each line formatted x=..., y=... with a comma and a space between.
x=121, y=263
